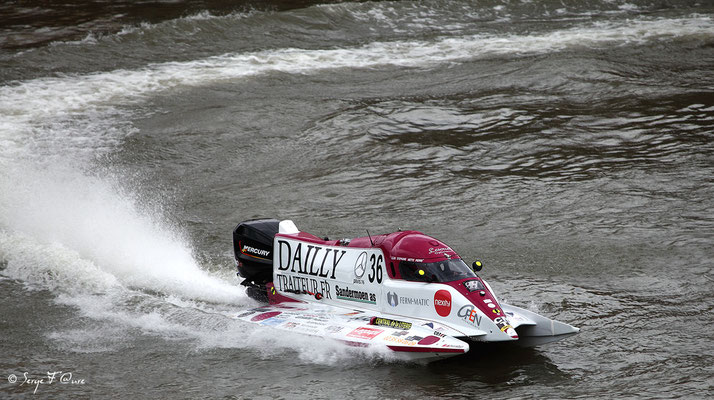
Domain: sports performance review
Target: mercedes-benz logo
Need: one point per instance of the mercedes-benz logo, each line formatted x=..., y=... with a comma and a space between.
x=361, y=265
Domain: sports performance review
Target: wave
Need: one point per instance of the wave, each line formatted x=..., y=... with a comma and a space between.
x=458, y=16
x=388, y=17
x=71, y=106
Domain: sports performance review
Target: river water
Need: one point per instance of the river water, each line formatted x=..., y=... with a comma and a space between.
x=567, y=144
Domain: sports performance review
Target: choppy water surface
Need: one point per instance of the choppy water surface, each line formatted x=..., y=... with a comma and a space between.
x=568, y=144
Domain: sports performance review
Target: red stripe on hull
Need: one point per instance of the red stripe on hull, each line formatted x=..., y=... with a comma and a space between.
x=425, y=349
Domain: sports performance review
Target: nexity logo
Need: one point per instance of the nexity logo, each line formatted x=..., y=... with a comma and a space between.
x=442, y=302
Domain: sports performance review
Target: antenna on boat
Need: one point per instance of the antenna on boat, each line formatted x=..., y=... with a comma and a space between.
x=370, y=237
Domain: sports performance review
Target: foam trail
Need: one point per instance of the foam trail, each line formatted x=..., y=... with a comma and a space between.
x=205, y=330
x=70, y=222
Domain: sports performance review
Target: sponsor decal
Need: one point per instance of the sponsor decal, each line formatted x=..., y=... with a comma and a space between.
x=429, y=340
x=429, y=324
x=312, y=260
x=491, y=305
x=414, y=301
x=264, y=316
x=314, y=269
x=272, y=321
x=400, y=333
x=504, y=325
x=254, y=251
x=399, y=340
x=355, y=295
x=442, y=302
x=469, y=314
x=360, y=267
x=365, y=333
x=313, y=326
x=292, y=309
x=439, y=250
x=299, y=284
x=392, y=299
x=290, y=325
x=312, y=317
x=390, y=323
x=439, y=334
x=408, y=259
x=309, y=329
x=474, y=285
x=334, y=329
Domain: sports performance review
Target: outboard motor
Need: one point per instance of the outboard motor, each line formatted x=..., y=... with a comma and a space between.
x=253, y=248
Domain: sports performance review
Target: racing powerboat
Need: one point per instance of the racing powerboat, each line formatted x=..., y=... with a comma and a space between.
x=403, y=291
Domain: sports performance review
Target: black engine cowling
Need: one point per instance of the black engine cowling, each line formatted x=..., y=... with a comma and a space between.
x=253, y=248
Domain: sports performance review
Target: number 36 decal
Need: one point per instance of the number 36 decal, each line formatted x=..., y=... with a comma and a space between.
x=375, y=268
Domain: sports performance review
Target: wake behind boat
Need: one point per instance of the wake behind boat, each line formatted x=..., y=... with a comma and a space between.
x=405, y=291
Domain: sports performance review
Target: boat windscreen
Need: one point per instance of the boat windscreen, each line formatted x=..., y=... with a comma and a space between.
x=441, y=271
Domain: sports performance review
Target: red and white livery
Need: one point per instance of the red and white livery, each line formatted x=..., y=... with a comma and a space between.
x=405, y=291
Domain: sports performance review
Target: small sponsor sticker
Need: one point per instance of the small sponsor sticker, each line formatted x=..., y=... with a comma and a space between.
x=429, y=340
x=365, y=333
x=264, y=316
x=403, y=341
x=391, y=323
x=272, y=321
x=473, y=285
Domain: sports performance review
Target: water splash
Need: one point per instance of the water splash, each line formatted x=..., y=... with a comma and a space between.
x=84, y=230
